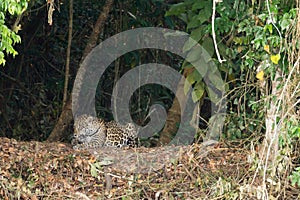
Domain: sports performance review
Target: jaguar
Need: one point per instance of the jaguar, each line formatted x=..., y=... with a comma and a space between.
x=92, y=132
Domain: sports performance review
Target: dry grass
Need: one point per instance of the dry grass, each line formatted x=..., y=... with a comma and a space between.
x=33, y=170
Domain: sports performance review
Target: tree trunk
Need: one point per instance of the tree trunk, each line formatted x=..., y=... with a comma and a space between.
x=174, y=116
x=66, y=116
x=270, y=145
x=174, y=113
x=269, y=148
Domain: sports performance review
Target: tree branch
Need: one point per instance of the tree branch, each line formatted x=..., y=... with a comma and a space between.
x=67, y=73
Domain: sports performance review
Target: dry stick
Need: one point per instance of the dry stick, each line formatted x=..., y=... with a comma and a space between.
x=50, y=4
x=213, y=31
x=66, y=116
x=67, y=73
x=117, y=74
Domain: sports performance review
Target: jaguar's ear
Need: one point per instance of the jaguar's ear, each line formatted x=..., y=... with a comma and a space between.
x=101, y=121
x=130, y=126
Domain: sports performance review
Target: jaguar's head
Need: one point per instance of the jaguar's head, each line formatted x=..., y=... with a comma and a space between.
x=87, y=127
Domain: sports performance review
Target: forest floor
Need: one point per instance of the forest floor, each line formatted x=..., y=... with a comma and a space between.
x=35, y=170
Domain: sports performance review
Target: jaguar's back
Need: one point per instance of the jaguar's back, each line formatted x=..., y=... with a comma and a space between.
x=119, y=135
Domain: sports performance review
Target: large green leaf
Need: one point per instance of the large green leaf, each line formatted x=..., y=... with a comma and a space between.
x=176, y=9
x=208, y=45
x=198, y=91
x=198, y=33
x=217, y=81
x=194, y=22
x=189, y=44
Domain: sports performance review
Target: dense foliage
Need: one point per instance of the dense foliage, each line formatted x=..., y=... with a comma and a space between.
x=8, y=37
x=255, y=39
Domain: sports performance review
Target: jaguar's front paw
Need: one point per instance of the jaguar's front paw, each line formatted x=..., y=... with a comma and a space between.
x=77, y=147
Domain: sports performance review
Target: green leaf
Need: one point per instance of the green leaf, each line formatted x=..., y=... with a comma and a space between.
x=296, y=177
x=189, y=44
x=238, y=40
x=204, y=15
x=2, y=60
x=217, y=81
x=198, y=33
x=7, y=36
x=212, y=95
x=94, y=172
x=187, y=65
x=208, y=45
x=194, y=55
x=194, y=77
x=176, y=9
x=198, y=5
x=285, y=24
x=296, y=132
x=268, y=27
x=2, y=17
x=195, y=22
x=198, y=91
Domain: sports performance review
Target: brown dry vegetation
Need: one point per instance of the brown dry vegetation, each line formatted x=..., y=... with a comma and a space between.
x=35, y=170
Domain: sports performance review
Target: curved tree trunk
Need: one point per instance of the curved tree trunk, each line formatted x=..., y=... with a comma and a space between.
x=170, y=128
x=174, y=113
x=66, y=116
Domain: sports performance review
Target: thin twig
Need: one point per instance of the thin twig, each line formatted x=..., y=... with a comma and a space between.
x=67, y=72
x=213, y=31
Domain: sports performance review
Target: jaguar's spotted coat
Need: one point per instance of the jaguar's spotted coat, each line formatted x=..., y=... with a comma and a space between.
x=91, y=132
